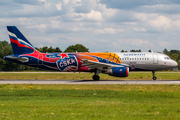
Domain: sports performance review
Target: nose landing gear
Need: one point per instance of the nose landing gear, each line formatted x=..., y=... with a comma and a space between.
x=154, y=77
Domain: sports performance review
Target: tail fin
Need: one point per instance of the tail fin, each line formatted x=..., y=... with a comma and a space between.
x=19, y=43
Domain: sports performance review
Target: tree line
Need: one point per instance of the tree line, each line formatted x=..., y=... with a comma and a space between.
x=6, y=49
x=72, y=48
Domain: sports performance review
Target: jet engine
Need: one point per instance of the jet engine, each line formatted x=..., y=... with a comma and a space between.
x=118, y=71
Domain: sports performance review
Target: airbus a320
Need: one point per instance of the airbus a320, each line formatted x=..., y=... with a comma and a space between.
x=114, y=64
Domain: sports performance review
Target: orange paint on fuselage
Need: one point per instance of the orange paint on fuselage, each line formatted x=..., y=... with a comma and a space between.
x=91, y=56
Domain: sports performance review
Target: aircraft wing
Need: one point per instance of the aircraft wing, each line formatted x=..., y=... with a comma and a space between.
x=99, y=65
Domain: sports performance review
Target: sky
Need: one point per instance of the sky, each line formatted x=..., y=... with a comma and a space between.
x=99, y=25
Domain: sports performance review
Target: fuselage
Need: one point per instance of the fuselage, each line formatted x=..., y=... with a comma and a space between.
x=147, y=61
x=140, y=61
x=114, y=64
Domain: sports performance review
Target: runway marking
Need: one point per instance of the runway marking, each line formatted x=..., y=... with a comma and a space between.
x=100, y=82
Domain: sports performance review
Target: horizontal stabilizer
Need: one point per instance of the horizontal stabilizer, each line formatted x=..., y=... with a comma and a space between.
x=21, y=59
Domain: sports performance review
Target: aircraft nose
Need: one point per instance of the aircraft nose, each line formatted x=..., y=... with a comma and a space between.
x=174, y=64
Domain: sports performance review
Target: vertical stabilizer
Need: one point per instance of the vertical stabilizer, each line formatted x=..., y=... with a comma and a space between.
x=19, y=43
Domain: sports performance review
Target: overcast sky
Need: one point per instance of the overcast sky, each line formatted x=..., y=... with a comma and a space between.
x=100, y=25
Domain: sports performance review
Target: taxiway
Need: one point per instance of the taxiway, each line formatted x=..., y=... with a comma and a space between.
x=100, y=82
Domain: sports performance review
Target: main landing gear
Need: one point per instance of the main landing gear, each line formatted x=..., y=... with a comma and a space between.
x=96, y=76
x=154, y=77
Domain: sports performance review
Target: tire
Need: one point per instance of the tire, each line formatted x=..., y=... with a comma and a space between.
x=154, y=78
x=96, y=77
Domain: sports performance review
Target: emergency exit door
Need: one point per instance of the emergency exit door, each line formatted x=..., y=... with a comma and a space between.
x=155, y=59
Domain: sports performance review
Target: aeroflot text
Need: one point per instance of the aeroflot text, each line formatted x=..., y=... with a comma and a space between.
x=134, y=54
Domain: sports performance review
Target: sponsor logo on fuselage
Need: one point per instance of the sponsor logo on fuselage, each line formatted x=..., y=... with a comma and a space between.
x=67, y=63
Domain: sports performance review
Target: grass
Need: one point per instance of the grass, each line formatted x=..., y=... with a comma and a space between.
x=88, y=76
x=79, y=102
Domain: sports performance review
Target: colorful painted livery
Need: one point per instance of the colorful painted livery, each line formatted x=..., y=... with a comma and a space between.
x=25, y=53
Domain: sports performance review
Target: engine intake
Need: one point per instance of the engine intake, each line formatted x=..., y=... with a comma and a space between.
x=119, y=71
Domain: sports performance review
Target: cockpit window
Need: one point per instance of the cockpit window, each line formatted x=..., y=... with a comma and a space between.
x=166, y=58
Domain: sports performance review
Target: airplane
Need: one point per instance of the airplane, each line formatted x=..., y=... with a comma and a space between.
x=114, y=64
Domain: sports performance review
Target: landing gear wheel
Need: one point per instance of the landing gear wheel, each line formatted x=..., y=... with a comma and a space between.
x=96, y=77
x=154, y=78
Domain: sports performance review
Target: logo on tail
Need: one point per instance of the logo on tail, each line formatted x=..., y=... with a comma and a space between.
x=19, y=43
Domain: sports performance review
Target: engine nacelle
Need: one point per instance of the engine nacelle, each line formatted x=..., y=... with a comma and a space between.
x=119, y=71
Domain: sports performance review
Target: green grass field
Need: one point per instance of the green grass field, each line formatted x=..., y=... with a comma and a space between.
x=88, y=76
x=90, y=102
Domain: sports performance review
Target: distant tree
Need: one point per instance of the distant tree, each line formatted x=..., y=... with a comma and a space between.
x=122, y=50
x=44, y=49
x=57, y=50
x=38, y=49
x=132, y=50
x=165, y=51
x=138, y=50
x=77, y=48
x=175, y=57
x=49, y=50
x=6, y=49
x=149, y=51
x=175, y=51
x=135, y=50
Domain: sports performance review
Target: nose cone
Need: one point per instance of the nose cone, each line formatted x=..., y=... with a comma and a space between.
x=174, y=64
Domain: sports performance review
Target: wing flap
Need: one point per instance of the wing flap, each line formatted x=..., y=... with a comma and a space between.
x=98, y=65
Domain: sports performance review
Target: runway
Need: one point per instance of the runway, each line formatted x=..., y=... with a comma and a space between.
x=100, y=82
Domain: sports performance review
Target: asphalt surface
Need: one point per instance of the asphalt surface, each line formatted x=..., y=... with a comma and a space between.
x=100, y=82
